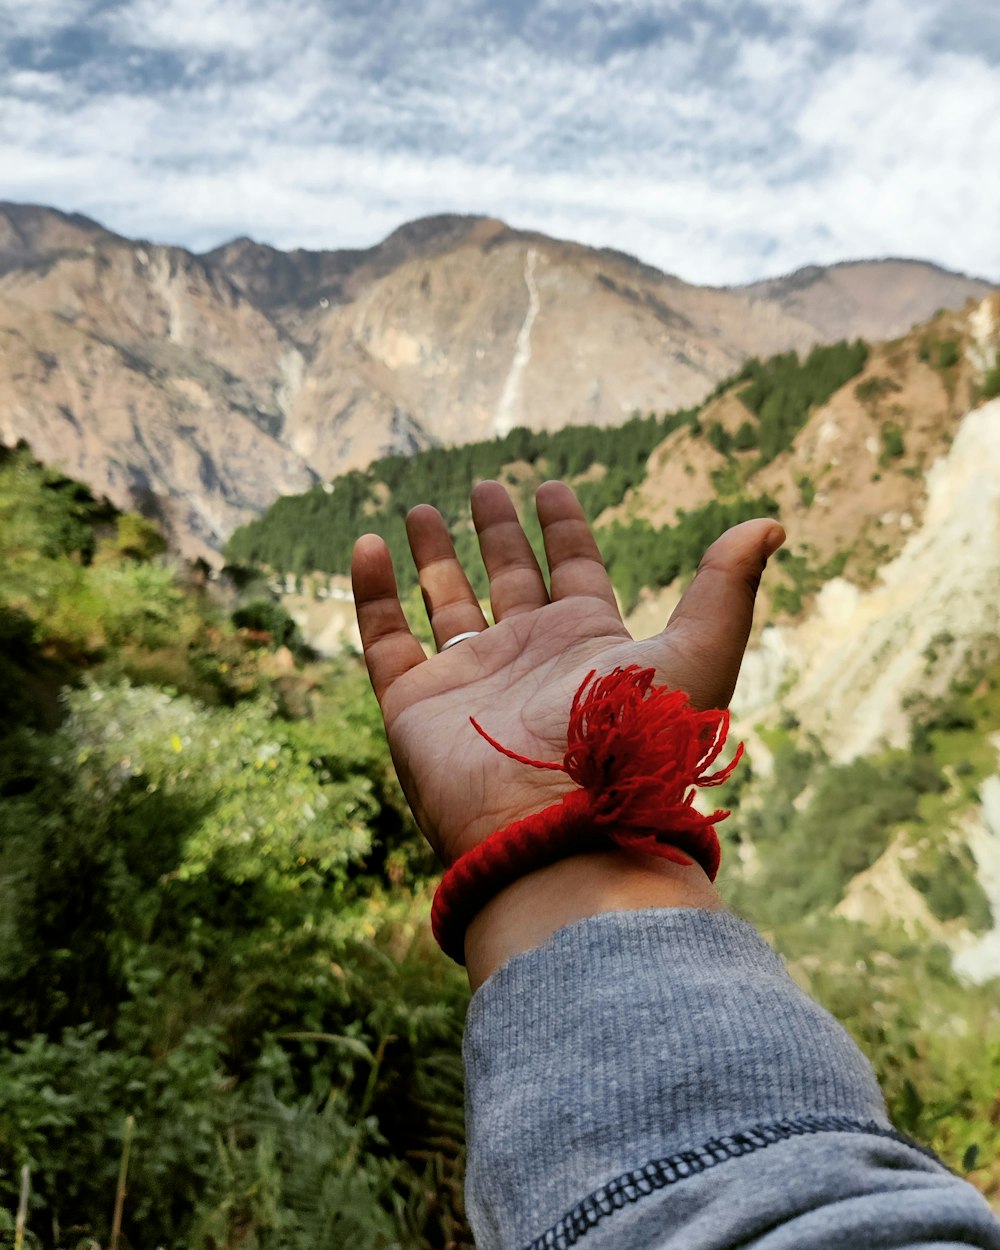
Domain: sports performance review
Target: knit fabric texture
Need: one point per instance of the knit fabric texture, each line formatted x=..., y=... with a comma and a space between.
x=653, y=1080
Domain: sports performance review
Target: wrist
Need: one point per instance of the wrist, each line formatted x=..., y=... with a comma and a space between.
x=528, y=911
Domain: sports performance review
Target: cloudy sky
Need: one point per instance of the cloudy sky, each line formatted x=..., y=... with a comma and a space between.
x=722, y=140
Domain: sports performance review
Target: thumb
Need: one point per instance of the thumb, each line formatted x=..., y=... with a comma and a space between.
x=710, y=626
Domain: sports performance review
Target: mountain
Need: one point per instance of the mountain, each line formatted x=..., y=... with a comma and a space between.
x=874, y=300
x=145, y=373
x=30, y=233
x=199, y=388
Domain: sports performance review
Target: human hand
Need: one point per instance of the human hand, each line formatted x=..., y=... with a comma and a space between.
x=518, y=678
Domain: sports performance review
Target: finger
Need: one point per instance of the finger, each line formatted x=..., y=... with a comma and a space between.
x=390, y=648
x=575, y=564
x=516, y=582
x=452, y=606
x=713, y=619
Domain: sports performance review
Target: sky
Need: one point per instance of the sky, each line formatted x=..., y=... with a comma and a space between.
x=720, y=140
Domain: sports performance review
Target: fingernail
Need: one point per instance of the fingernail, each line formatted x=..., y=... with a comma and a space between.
x=773, y=540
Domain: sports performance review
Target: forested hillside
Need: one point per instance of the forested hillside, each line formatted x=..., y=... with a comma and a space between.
x=214, y=958
x=316, y=531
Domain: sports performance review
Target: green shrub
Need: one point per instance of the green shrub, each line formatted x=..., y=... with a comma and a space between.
x=893, y=446
x=991, y=382
x=940, y=353
x=871, y=390
x=720, y=438
x=801, y=578
x=137, y=538
x=192, y=881
x=948, y=880
x=811, y=853
x=264, y=616
x=745, y=438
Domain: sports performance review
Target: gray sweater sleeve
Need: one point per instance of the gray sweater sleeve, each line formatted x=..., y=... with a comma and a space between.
x=654, y=1080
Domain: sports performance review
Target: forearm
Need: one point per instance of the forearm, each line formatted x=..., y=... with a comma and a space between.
x=672, y=1040
x=536, y=906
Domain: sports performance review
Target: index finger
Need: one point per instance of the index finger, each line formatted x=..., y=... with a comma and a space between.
x=389, y=645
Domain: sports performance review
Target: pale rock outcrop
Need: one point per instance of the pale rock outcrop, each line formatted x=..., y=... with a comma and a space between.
x=847, y=669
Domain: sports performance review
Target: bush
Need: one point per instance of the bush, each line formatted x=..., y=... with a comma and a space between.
x=138, y=539
x=811, y=853
x=940, y=353
x=745, y=438
x=194, y=882
x=871, y=390
x=720, y=438
x=264, y=616
x=991, y=382
x=893, y=446
x=949, y=882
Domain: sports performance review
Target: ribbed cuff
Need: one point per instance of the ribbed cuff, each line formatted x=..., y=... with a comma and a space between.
x=627, y=1038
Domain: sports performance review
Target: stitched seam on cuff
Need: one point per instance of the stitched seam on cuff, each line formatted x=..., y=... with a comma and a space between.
x=629, y=1187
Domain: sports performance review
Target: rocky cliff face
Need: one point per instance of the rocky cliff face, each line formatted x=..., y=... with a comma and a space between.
x=849, y=671
x=904, y=631
x=200, y=388
x=148, y=375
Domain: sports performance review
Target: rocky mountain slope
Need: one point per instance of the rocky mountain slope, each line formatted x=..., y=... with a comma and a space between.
x=890, y=496
x=858, y=298
x=881, y=615
x=199, y=388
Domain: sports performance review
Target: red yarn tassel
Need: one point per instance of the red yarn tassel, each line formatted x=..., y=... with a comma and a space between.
x=637, y=752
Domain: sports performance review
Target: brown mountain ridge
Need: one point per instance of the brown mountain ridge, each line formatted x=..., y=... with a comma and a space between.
x=200, y=387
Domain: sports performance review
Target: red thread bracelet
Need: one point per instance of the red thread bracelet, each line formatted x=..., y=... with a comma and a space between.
x=637, y=752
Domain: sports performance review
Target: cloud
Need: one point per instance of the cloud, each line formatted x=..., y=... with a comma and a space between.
x=230, y=29
x=719, y=140
x=40, y=16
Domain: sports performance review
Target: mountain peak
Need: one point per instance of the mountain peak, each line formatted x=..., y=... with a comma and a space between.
x=29, y=232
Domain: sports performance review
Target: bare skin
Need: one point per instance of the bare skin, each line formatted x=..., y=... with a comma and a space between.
x=518, y=679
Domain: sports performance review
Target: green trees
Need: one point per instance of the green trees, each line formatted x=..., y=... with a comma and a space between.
x=265, y=617
x=316, y=530
x=213, y=910
x=212, y=918
x=197, y=927
x=637, y=555
x=782, y=391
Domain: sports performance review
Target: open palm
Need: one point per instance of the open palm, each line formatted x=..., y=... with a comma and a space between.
x=518, y=677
